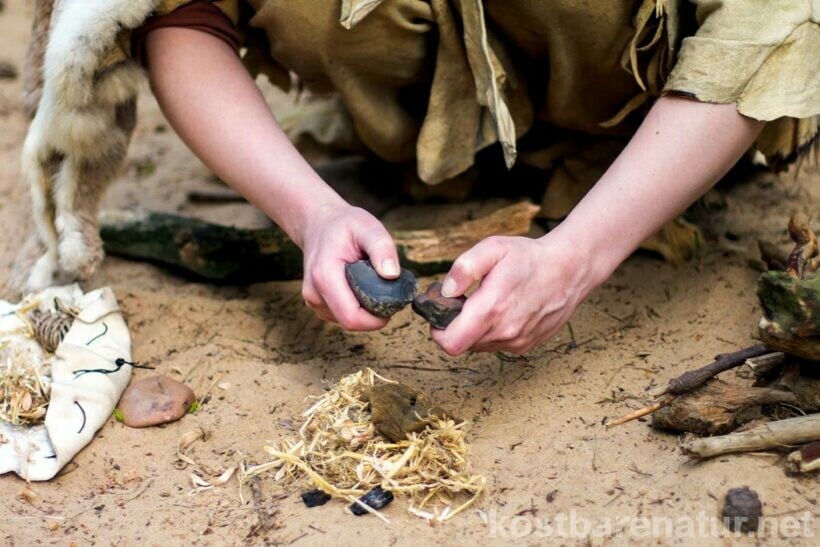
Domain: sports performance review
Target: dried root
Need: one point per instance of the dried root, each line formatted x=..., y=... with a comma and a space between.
x=339, y=451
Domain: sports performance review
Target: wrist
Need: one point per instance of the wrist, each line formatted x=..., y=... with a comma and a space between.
x=592, y=259
x=297, y=214
x=313, y=214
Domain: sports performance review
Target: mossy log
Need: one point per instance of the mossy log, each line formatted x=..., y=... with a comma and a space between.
x=224, y=254
x=791, y=313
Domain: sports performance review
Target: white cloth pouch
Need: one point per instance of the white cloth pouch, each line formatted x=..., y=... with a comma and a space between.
x=87, y=373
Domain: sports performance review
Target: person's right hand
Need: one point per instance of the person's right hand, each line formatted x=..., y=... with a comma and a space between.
x=339, y=235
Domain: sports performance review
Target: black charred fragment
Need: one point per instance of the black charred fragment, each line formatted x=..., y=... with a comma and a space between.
x=375, y=499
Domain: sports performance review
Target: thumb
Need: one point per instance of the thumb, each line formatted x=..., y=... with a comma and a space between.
x=471, y=267
x=381, y=251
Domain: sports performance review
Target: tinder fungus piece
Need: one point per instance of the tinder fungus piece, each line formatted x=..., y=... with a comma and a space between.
x=397, y=410
x=438, y=310
x=379, y=296
x=742, y=510
x=155, y=400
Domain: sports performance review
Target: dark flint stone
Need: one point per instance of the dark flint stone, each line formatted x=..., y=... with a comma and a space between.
x=375, y=499
x=314, y=498
x=742, y=510
x=381, y=297
x=438, y=310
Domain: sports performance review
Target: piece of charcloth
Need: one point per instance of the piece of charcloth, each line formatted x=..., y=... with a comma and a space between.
x=202, y=16
x=86, y=375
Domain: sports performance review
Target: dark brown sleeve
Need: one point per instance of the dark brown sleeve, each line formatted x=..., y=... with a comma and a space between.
x=198, y=15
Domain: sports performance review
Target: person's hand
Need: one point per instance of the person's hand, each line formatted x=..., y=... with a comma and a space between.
x=528, y=289
x=337, y=236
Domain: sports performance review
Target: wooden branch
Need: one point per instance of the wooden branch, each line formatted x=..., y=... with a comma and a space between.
x=694, y=378
x=232, y=255
x=779, y=434
x=433, y=251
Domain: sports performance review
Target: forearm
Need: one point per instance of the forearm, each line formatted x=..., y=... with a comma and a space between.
x=681, y=150
x=215, y=107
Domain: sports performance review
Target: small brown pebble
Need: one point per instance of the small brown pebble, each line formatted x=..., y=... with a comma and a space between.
x=438, y=310
x=742, y=510
x=155, y=400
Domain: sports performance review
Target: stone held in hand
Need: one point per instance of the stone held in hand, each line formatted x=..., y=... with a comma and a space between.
x=438, y=310
x=379, y=296
x=155, y=400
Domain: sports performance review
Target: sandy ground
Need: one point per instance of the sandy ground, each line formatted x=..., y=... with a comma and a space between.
x=536, y=432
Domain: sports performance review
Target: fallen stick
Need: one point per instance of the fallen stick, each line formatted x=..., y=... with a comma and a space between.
x=695, y=378
x=224, y=254
x=641, y=412
x=779, y=434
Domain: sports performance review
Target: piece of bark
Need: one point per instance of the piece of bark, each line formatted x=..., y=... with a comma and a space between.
x=717, y=407
x=805, y=460
x=428, y=252
x=791, y=313
x=771, y=435
x=231, y=255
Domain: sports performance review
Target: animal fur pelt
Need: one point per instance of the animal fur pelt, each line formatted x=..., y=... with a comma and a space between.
x=82, y=97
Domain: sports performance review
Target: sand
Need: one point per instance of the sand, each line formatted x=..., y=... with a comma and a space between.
x=537, y=429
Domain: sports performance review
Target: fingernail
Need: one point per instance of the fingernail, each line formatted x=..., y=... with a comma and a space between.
x=449, y=287
x=389, y=267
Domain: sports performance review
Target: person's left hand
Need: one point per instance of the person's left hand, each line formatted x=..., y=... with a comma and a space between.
x=528, y=289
